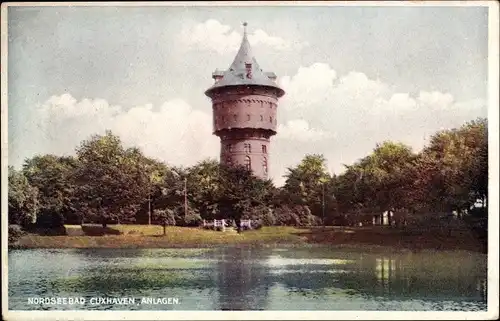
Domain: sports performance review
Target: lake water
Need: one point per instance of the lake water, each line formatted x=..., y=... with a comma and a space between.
x=245, y=279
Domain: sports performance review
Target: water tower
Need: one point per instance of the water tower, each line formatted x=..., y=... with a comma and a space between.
x=244, y=103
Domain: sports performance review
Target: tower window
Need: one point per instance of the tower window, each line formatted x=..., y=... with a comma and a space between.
x=248, y=163
x=270, y=119
x=264, y=149
x=229, y=147
x=264, y=165
x=247, y=147
x=261, y=118
x=235, y=117
x=248, y=117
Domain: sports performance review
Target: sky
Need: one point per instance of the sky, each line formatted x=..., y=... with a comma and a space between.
x=353, y=76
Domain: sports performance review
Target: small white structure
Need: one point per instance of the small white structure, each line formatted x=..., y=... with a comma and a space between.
x=224, y=223
x=246, y=223
x=382, y=219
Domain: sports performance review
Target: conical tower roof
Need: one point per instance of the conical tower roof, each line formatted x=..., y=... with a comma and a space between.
x=245, y=70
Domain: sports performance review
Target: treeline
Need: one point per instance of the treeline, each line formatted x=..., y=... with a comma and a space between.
x=106, y=183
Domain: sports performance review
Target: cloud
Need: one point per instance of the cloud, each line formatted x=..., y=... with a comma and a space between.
x=358, y=112
x=309, y=86
x=340, y=116
x=215, y=36
x=298, y=130
x=435, y=99
x=174, y=132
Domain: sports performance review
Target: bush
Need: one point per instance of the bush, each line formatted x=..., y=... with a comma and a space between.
x=268, y=218
x=98, y=230
x=191, y=220
x=257, y=225
x=15, y=232
x=50, y=220
x=305, y=216
x=164, y=217
x=295, y=215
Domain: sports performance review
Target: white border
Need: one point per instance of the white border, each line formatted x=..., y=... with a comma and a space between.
x=493, y=114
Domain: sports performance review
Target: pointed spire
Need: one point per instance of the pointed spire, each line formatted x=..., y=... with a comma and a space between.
x=245, y=29
x=244, y=70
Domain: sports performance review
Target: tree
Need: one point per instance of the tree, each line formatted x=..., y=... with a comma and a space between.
x=454, y=168
x=156, y=172
x=111, y=181
x=52, y=176
x=22, y=198
x=166, y=217
x=204, y=187
x=381, y=181
x=240, y=191
x=310, y=184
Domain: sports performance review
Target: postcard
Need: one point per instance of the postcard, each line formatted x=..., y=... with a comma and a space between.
x=260, y=160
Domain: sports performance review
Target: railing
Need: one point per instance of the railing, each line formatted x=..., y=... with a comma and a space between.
x=224, y=223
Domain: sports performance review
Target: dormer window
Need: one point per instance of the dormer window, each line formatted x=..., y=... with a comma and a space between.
x=248, y=68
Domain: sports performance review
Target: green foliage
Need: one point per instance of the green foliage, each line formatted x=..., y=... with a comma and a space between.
x=165, y=217
x=240, y=191
x=23, y=199
x=108, y=183
x=111, y=181
x=51, y=175
x=310, y=184
x=455, y=164
x=15, y=232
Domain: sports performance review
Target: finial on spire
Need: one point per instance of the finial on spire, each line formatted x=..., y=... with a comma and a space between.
x=245, y=24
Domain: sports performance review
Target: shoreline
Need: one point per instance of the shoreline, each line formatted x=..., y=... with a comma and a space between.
x=335, y=238
x=341, y=247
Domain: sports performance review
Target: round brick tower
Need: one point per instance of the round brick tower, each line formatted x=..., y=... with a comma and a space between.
x=244, y=104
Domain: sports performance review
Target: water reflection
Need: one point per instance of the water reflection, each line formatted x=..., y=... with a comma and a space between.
x=254, y=279
x=242, y=281
x=401, y=277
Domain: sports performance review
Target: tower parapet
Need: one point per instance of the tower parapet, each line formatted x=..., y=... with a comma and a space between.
x=244, y=103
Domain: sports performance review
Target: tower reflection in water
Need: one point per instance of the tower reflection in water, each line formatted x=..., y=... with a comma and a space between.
x=242, y=281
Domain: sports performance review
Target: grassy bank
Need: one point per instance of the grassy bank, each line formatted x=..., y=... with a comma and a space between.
x=364, y=238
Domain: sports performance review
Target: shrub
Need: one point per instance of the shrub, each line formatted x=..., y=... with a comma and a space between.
x=98, y=230
x=268, y=218
x=15, y=232
x=285, y=216
x=165, y=217
x=50, y=220
x=191, y=220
